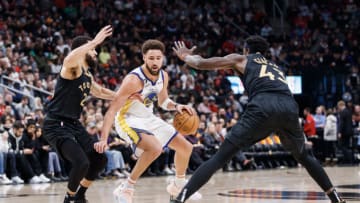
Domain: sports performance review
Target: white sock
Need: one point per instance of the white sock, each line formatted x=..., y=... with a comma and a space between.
x=130, y=183
x=180, y=180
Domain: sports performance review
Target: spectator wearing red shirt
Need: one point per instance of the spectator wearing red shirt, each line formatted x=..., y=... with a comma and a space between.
x=212, y=104
x=309, y=123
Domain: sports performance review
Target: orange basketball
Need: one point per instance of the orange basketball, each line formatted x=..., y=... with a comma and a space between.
x=185, y=123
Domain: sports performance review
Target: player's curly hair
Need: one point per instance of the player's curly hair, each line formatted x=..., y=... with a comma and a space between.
x=152, y=44
x=256, y=43
x=79, y=40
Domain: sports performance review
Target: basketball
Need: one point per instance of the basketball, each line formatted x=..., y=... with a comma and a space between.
x=185, y=123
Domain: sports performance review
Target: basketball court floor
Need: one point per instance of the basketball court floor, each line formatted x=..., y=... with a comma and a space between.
x=262, y=186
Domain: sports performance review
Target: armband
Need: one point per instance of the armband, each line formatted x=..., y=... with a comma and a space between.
x=164, y=105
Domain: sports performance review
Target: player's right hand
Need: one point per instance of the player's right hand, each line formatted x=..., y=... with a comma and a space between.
x=102, y=34
x=101, y=146
x=181, y=50
x=180, y=108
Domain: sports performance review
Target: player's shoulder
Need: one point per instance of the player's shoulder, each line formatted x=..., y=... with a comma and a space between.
x=133, y=77
x=131, y=83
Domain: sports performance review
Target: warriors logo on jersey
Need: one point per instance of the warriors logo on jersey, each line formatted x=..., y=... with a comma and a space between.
x=150, y=99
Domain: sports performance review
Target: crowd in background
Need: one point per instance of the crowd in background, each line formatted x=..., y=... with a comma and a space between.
x=321, y=45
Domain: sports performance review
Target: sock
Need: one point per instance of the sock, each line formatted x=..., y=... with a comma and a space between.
x=81, y=191
x=334, y=196
x=130, y=183
x=180, y=180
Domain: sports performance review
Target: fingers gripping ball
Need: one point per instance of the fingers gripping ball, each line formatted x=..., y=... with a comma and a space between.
x=185, y=123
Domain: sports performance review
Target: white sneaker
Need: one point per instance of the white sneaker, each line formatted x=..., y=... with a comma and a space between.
x=174, y=190
x=44, y=179
x=168, y=171
x=17, y=180
x=4, y=180
x=123, y=194
x=35, y=180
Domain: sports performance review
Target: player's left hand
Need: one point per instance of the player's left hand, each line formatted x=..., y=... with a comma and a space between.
x=181, y=50
x=180, y=108
x=101, y=146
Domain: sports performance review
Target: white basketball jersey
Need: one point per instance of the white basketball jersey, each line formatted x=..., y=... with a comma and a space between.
x=137, y=116
x=148, y=95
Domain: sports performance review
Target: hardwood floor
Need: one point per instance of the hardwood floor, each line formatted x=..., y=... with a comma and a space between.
x=262, y=186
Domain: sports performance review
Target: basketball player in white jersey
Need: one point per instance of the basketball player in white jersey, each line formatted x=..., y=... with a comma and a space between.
x=135, y=121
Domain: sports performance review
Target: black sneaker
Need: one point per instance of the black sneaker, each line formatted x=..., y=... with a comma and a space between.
x=69, y=199
x=175, y=201
x=64, y=178
x=74, y=199
x=55, y=179
x=81, y=201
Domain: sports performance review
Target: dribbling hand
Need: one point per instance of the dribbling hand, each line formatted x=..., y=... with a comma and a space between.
x=181, y=50
x=101, y=146
x=180, y=108
x=102, y=34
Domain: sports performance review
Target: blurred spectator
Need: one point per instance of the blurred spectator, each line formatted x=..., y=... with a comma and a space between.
x=23, y=107
x=204, y=106
x=211, y=141
x=4, y=147
x=19, y=164
x=309, y=123
x=320, y=119
x=48, y=158
x=197, y=155
x=353, y=84
x=330, y=137
x=345, y=131
x=31, y=151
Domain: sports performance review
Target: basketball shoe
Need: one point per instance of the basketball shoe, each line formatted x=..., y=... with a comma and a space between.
x=123, y=194
x=74, y=199
x=174, y=190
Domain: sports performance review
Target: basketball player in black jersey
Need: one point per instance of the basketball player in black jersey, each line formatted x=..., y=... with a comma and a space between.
x=62, y=127
x=271, y=108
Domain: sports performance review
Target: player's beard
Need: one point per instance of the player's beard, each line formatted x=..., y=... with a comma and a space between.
x=152, y=72
x=90, y=61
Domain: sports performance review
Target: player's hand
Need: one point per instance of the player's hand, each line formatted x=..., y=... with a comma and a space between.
x=181, y=50
x=180, y=108
x=102, y=34
x=101, y=146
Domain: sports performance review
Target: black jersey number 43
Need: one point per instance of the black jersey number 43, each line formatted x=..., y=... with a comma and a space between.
x=270, y=70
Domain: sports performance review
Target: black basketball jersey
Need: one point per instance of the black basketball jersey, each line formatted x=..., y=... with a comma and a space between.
x=262, y=75
x=69, y=97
